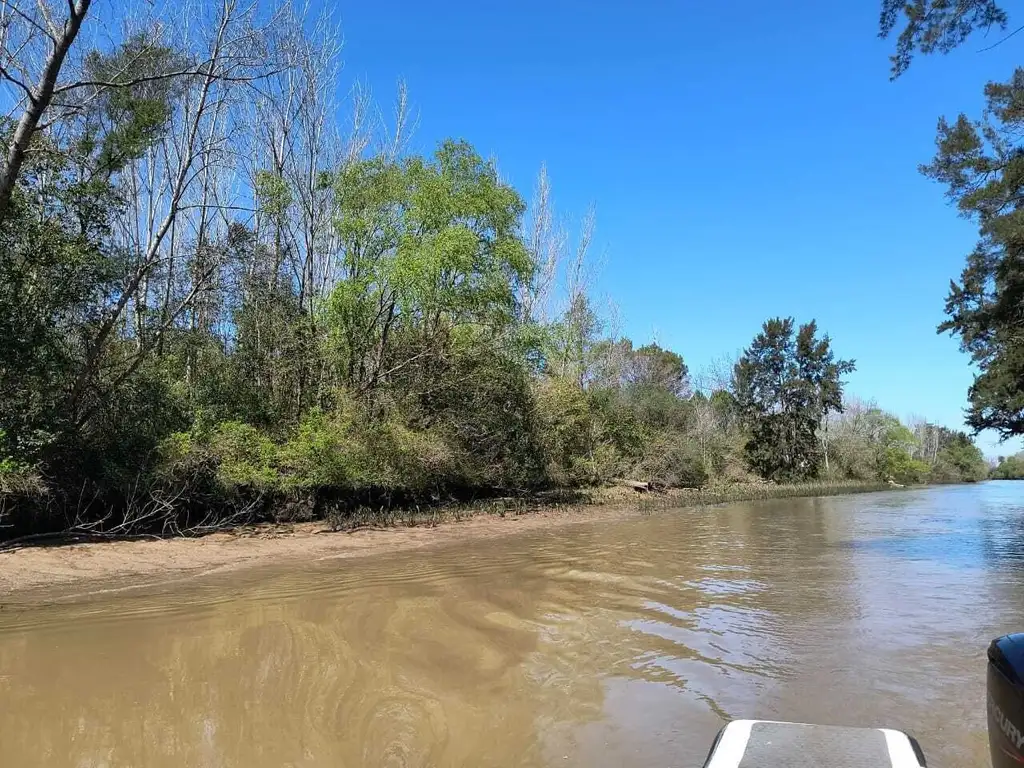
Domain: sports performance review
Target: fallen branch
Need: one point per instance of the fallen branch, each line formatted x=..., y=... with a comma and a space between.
x=70, y=537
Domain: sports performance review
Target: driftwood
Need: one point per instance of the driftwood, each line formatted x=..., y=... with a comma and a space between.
x=636, y=485
x=70, y=537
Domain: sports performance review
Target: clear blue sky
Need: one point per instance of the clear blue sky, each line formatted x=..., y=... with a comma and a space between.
x=746, y=160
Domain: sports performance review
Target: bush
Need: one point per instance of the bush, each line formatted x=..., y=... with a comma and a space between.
x=335, y=454
x=853, y=458
x=245, y=457
x=324, y=453
x=895, y=464
x=566, y=429
x=944, y=472
x=964, y=459
x=1009, y=468
x=480, y=412
x=674, y=461
x=419, y=465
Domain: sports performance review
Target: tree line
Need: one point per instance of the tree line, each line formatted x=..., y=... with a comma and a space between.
x=217, y=303
x=1009, y=468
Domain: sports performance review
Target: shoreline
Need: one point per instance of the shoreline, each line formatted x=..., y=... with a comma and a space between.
x=66, y=571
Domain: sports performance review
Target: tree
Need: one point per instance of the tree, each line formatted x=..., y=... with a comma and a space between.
x=216, y=303
x=653, y=367
x=618, y=364
x=23, y=29
x=851, y=436
x=981, y=162
x=37, y=40
x=869, y=443
x=935, y=25
x=429, y=250
x=1009, y=468
x=893, y=445
x=784, y=387
x=958, y=460
x=982, y=165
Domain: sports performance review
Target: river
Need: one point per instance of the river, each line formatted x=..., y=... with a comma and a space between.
x=627, y=643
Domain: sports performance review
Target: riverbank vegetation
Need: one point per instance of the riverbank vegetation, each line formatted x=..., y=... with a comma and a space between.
x=759, y=491
x=1008, y=468
x=219, y=305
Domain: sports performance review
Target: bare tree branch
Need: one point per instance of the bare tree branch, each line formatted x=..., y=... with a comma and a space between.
x=39, y=102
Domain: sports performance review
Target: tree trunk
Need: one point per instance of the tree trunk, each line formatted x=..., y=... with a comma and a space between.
x=38, y=103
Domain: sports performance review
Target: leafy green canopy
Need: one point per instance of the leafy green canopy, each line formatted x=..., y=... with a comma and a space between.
x=785, y=387
x=362, y=336
x=430, y=250
x=1009, y=468
x=982, y=164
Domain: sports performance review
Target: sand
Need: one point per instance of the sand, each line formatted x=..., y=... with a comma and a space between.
x=70, y=570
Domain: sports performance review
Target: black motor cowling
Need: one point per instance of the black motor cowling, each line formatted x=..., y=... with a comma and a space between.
x=1006, y=701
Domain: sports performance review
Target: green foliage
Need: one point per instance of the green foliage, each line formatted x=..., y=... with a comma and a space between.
x=980, y=162
x=482, y=401
x=652, y=368
x=51, y=274
x=982, y=166
x=867, y=443
x=336, y=453
x=673, y=459
x=131, y=105
x=428, y=246
x=899, y=467
x=935, y=25
x=784, y=388
x=324, y=452
x=244, y=456
x=568, y=428
x=272, y=193
x=67, y=398
x=574, y=348
x=608, y=410
x=893, y=446
x=16, y=477
x=959, y=460
x=364, y=337
x=1009, y=468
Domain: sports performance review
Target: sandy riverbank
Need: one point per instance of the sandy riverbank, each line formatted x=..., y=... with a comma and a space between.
x=70, y=570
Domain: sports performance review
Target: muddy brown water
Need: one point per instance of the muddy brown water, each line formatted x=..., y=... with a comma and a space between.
x=622, y=644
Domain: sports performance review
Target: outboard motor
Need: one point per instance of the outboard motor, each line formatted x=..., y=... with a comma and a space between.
x=1006, y=701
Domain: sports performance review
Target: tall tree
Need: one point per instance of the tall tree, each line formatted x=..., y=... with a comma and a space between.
x=785, y=386
x=981, y=162
x=429, y=251
x=32, y=27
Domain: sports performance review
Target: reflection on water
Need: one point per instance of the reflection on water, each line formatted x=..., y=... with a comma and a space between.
x=596, y=645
